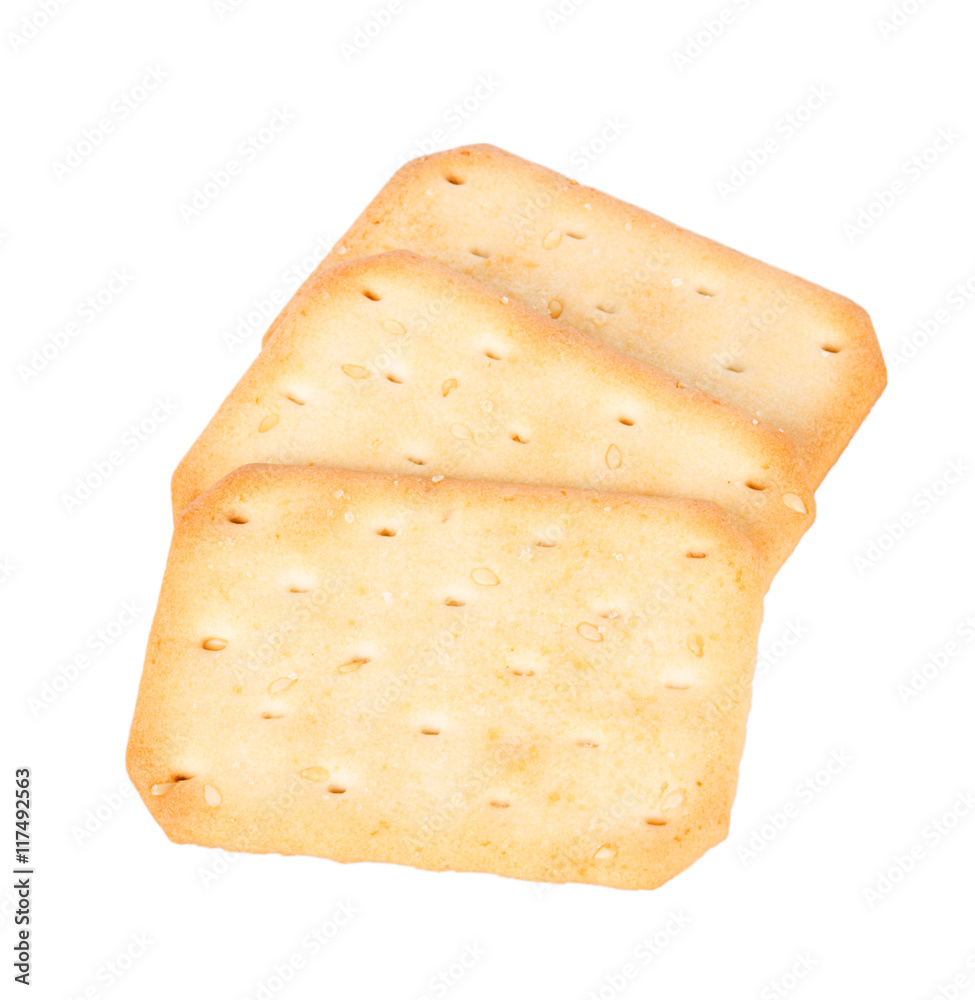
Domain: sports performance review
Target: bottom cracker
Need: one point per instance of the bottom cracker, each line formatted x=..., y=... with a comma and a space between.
x=545, y=684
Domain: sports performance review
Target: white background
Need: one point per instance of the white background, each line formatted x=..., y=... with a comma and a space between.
x=859, y=627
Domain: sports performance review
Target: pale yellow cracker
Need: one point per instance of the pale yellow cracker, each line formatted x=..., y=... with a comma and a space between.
x=801, y=358
x=397, y=364
x=547, y=684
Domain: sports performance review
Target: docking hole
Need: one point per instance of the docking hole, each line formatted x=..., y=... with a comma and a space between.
x=168, y=786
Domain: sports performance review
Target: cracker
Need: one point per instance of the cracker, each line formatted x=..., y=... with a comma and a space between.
x=546, y=684
x=396, y=364
x=801, y=358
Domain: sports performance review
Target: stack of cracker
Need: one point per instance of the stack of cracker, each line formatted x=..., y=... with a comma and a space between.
x=468, y=569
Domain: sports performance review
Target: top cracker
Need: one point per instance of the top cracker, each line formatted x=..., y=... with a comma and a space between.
x=802, y=359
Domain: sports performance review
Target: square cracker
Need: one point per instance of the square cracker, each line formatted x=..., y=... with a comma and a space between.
x=801, y=358
x=546, y=684
x=397, y=364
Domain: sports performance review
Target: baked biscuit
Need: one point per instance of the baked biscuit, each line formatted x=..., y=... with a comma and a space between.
x=396, y=364
x=542, y=683
x=800, y=358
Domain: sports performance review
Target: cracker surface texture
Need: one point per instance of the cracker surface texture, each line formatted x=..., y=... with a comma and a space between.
x=802, y=359
x=397, y=364
x=546, y=684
